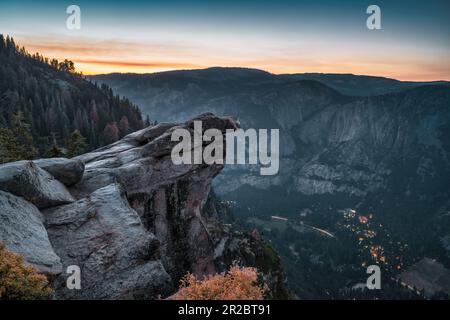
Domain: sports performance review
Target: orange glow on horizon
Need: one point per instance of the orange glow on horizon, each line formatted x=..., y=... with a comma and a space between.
x=98, y=57
x=105, y=67
x=102, y=67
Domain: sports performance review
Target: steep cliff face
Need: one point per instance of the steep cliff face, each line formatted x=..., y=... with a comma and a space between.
x=168, y=198
x=360, y=146
x=133, y=222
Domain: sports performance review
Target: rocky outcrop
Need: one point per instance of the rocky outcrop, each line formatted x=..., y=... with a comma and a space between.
x=104, y=236
x=22, y=230
x=27, y=180
x=68, y=171
x=169, y=198
x=136, y=223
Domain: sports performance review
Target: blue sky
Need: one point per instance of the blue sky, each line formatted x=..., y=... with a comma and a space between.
x=278, y=36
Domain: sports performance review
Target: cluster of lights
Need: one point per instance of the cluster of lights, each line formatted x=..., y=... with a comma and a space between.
x=363, y=227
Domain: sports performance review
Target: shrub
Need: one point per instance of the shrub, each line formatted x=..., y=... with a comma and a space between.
x=19, y=281
x=237, y=284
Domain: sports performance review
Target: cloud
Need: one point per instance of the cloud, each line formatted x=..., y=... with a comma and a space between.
x=154, y=64
x=94, y=46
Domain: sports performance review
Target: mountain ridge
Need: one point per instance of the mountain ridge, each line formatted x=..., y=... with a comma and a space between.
x=331, y=79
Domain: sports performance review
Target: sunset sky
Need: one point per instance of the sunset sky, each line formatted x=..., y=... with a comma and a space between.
x=277, y=36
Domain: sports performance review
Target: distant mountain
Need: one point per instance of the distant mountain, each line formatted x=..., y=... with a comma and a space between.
x=53, y=100
x=160, y=95
x=382, y=149
x=356, y=85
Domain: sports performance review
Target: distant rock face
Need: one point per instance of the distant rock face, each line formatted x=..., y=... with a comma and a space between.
x=22, y=230
x=134, y=223
x=27, y=180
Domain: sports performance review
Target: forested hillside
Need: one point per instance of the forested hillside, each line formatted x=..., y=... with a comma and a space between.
x=48, y=109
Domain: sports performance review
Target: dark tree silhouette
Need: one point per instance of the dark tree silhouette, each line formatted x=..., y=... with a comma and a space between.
x=77, y=144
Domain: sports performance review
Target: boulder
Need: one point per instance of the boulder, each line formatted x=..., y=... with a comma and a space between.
x=67, y=171
x=104, y=236
x=23, y=232
x=27, y=180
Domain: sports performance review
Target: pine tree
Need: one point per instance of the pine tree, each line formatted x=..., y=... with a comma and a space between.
x=9, y=149
x=16, y=143
x=77, y=144
x=22, y=136
x=147, y=121
x=54, y=151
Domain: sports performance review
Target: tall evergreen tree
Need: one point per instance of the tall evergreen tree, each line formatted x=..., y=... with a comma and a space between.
x=22, y=134
x=77, y=144
x=54, y=151
x=9, y=150
x=16, y=143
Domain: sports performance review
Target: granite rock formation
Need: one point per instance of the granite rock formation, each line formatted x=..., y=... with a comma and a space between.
x=133, y=222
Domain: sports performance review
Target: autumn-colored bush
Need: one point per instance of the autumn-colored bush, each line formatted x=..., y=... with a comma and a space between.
x=240, y=283
x=19, y=281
